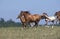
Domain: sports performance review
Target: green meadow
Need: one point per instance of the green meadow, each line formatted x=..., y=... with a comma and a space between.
x=40, y=32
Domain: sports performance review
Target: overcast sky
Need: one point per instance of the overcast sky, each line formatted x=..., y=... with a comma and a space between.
x=9, y=9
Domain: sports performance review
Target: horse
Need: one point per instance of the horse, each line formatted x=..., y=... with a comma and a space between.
x=22, y=19
x=49, y=19
x=31, y=18
x=57, y=14
x=27, y=18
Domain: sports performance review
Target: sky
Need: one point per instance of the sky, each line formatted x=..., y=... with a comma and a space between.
x=9, y=9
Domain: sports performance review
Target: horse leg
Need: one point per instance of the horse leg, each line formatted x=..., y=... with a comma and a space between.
x=24, y=25
x=31, y=24
x=36, y=23
x=53, y=23
x=59, y=21
x=46, y=22
x=56, y=21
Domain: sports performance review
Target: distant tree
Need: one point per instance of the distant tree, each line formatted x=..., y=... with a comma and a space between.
x=2, y=22
x=12, y=23
x=8, y=23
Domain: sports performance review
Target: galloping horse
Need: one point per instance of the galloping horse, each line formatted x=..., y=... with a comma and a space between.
x=26, y=17
x=31, y=18
x=49, y=18
x=57, y=14
x=23, y=20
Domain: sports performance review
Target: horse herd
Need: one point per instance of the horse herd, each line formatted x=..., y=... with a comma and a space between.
x=26, y=18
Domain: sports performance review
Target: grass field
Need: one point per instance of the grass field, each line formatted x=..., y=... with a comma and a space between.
x=40, y=32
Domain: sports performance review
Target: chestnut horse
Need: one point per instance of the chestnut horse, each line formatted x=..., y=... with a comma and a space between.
x=27, y=18
x=57, y=14
x=22, y=19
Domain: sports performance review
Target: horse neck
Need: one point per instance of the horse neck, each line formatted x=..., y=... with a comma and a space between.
x=26, y=16
x=47, y=16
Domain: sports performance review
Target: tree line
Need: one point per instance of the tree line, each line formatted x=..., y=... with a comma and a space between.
x=9, y=23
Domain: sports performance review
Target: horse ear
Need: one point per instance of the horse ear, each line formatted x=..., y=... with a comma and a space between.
x=56, y=13
x=21, y=11
x=59, y=11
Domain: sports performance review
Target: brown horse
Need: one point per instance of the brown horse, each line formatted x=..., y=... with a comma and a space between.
x=21, y=17
x=27, y=18
x=57, y=14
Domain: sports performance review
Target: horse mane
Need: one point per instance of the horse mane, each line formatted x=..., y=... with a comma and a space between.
x=27, y=12
x=57, y=13
x=45, y=14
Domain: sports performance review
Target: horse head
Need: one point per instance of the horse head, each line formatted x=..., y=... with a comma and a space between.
x=44, y=15
x=57, y=13
x=24, y=13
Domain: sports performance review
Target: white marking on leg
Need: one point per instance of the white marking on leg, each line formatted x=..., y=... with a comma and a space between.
x=52, y=26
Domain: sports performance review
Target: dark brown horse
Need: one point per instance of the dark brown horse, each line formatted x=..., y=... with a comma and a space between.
x=57, y=14
x=27, y=18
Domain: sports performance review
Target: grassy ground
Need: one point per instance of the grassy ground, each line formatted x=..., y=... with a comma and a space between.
x=40, y=32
